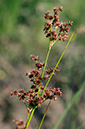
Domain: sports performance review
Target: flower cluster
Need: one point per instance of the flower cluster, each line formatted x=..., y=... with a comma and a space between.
x=20, y=124
x=32, y=97
x=38, y=93
x=54, y=24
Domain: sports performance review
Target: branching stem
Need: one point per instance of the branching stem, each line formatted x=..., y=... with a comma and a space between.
x=28, y=121
x=57, y=64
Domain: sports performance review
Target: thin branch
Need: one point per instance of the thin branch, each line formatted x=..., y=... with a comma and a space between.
x=57, y=64
x=44, y=115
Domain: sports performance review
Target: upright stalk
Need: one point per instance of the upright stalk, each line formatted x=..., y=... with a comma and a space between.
x=25, y=105
x=44, y=115
x=44, y=69
x=57, y=64
x=27, y=124
x=28, y=121
x=27, y=118
x=50, y=46
x=45, y=63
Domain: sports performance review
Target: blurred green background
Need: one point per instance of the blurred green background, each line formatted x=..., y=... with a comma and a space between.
x=21, y=34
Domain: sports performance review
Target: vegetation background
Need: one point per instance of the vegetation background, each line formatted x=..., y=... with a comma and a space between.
x=21, y=34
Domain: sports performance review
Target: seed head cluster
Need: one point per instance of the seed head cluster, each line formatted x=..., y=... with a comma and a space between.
x=31, y=96
x=38, y=93
x=54, y=28
x=20, y=124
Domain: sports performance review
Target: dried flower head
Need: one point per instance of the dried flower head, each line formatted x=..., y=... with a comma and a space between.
x=30, y=96
x=38, y=93
x=20, y=124
x=54, y=28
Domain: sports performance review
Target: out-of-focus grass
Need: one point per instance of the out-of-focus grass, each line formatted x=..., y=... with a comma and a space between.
x=9, y=12
x=74, y=99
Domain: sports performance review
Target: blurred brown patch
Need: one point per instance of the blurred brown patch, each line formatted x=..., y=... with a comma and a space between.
x=81, y=29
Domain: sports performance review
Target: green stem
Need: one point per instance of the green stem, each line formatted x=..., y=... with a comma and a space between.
x=45, y=63
x=25, y=105
x=44, y=115
x=27, y=124
x=44, y=69
x=27, y=118
x=79, y=127
x=57, y=64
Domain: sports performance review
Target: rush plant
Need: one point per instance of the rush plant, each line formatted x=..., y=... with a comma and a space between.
x=55, y=31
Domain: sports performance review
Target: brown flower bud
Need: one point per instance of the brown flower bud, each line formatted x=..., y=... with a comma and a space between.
x=60, y=8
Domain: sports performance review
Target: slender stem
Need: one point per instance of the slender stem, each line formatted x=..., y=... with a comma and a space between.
x=27, y=124
x=45, y=63
x=57, y=64
x=44, y=115
x=50, y=46
x=44, y=69
x=27, y=117
x=25, y=105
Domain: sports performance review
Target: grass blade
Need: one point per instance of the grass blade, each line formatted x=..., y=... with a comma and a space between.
x=69, y=105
